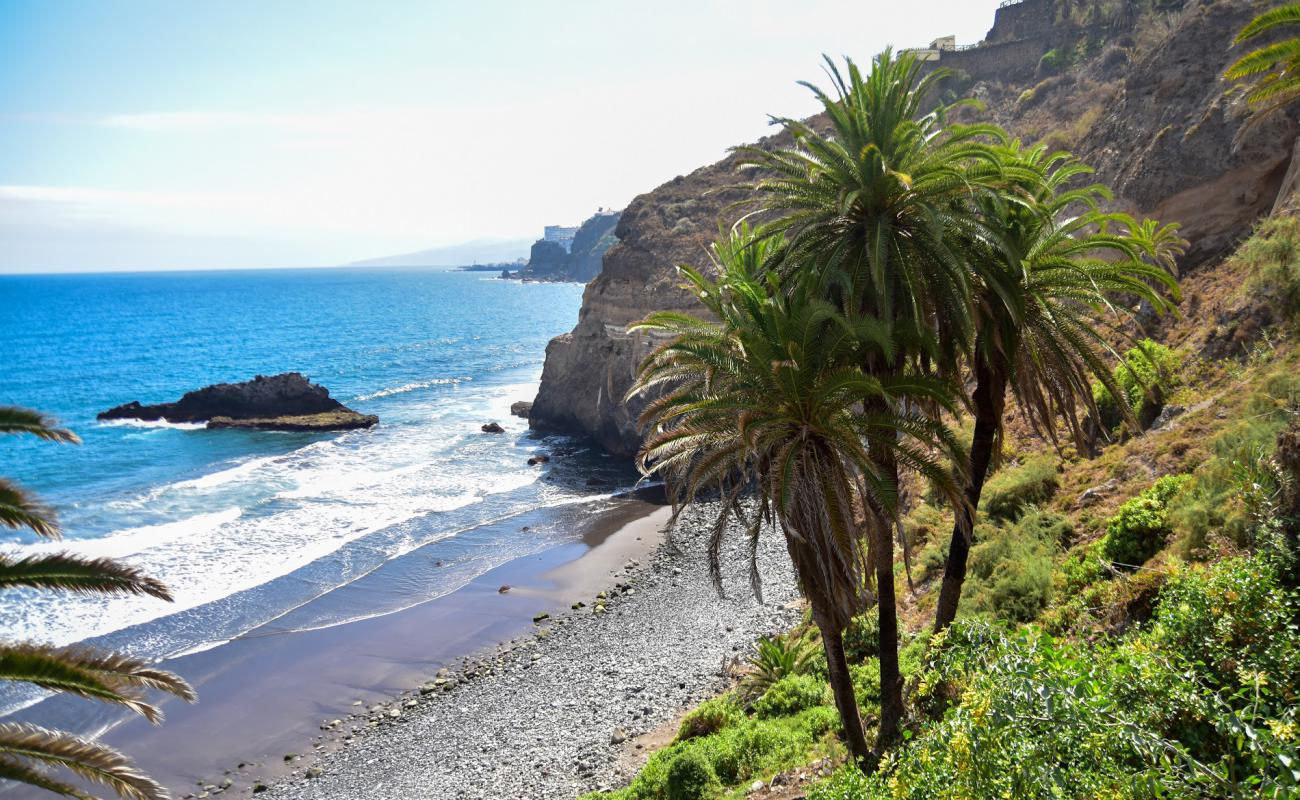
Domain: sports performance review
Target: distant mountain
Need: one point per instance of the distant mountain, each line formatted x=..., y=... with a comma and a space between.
x=480, y=251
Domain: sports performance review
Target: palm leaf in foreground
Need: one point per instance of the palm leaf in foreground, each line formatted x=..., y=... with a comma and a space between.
x=110, y=677
x=26, y=749
x=23, y=420
x=19, y=509
x=67, y=572
x=1275, y=67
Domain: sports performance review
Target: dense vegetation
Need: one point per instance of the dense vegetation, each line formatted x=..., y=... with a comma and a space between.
x=1137, y=639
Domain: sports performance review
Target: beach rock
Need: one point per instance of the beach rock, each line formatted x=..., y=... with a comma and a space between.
x=521, y=408
x=280, y=402
x=618, y=736
x=505, y=587
x=538, y=459
x=492, y=427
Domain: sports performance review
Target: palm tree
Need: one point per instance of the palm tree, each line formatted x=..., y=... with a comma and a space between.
x=1051, y=264
x=29, y=752
x=879, y=208
x=771, y=397
x=1276, y=67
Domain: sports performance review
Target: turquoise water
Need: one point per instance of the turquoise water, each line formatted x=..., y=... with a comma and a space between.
x=246, y=526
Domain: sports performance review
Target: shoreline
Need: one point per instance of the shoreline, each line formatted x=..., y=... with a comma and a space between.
x=560, y=711
x=264, y=695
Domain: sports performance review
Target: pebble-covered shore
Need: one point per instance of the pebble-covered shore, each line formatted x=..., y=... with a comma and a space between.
x=545, y=716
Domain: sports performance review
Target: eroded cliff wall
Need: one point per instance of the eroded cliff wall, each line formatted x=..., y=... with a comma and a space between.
x=1148, y=109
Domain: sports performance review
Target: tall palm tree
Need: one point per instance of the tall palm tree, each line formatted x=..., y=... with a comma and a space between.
x=29, y=753
x=1051, y=264
x=771, y=397
x=880, y=208
x=1275, y=67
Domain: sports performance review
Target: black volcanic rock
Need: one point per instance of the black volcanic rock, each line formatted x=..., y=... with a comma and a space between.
x=280, y=402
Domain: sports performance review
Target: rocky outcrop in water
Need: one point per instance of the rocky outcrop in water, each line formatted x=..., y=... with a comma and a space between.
x=287, y=402
x=1149, y=111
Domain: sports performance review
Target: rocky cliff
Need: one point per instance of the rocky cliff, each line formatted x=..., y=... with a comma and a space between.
x=1142, y=101
x=549, y=261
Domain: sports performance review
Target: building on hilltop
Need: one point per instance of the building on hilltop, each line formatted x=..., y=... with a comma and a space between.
x=936, y=49
x=561, y=235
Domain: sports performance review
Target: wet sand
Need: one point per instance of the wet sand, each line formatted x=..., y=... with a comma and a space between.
x=264, y=695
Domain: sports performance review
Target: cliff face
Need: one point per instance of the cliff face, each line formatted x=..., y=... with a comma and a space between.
x=589, y=370
x=1148, y=109
x=550, y=262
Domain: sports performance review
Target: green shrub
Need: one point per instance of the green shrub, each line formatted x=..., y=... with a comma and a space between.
x=862, y=637
x=848, y=783
x=821, y=721
x=1272, y=256
x=925, y=524
x=709, y=717
x=1140, y=528
x=1145, y=376
x=1080, y=568
x=1010, y=568
x=1010, y=490
x=1045, y=526
x=1052, y=62
x=691, y=777
x=1226, y=495
x=789, y=696
x=866, y=683
x=775, y=658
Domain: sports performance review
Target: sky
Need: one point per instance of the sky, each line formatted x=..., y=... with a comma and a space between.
x=199, y=134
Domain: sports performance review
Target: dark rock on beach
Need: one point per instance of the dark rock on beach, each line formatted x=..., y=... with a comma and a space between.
x=287, y=402
x=492, y=427
x=521, y=408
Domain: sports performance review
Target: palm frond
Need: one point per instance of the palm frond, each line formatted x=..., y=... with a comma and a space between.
x=109, y=677
x=36, y=746
x=19, y=509
x=22, y=420
x=68, y=572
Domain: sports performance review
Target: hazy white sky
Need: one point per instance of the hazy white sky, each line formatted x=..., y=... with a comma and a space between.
x=162, y=134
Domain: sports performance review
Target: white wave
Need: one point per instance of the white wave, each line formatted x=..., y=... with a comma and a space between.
x=413, y=387
x=153, y=423
x=225, y=476
x=133, y=541
x=298, y=507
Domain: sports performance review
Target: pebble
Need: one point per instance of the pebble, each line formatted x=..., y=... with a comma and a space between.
x=546, y=717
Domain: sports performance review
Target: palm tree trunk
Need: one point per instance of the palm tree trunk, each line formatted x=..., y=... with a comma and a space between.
x=989, y=400
x=891, y=679
x=846, y=700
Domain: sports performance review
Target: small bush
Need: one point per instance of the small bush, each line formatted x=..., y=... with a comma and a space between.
x=1145, y=376
x=1052, y=62
x=1010, y=490
x=1272, y=256
x=710, y=717
x=775, y=658
x=1010, y=569
x=691, y=777
x=821, y=721
x=789, y=696
x=1140, y=528
x=925, y=524
x=862, y=637
x=866, y=683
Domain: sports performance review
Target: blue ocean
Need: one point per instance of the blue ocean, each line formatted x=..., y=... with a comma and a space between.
x=247, y=526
